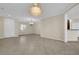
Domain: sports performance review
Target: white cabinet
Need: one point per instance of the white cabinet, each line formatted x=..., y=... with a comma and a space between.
x=72, y=35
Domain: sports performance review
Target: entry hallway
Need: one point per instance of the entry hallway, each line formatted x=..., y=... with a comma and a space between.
x=36, y=45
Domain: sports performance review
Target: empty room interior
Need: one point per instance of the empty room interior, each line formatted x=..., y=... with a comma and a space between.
x=39, y=28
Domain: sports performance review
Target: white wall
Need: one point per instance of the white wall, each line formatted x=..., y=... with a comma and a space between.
x=65, y=28
x=53, y=27
x=29, y=29
x=37, y=27
x=1, y=27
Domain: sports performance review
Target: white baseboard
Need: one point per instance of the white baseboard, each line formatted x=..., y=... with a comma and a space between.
x=52, y=38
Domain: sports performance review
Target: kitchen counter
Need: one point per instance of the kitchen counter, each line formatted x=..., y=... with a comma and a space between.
x=73, y=30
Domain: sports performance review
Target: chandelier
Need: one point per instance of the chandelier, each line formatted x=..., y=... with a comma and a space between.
x=35, y=9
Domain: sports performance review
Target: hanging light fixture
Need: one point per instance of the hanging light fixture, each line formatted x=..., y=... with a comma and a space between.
x=35, y=9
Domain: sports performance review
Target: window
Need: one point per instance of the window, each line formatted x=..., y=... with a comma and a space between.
x=23, y=26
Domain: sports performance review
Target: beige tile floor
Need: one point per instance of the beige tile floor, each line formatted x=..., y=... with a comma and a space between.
x=35, y=45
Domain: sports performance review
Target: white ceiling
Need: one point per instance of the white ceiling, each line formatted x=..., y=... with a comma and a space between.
x=74, y=13
x=22, y=9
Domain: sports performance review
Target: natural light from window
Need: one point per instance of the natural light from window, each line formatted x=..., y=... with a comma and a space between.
x=23, y=26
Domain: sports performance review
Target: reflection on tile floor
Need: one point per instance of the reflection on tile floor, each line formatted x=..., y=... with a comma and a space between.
x=35, y=45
